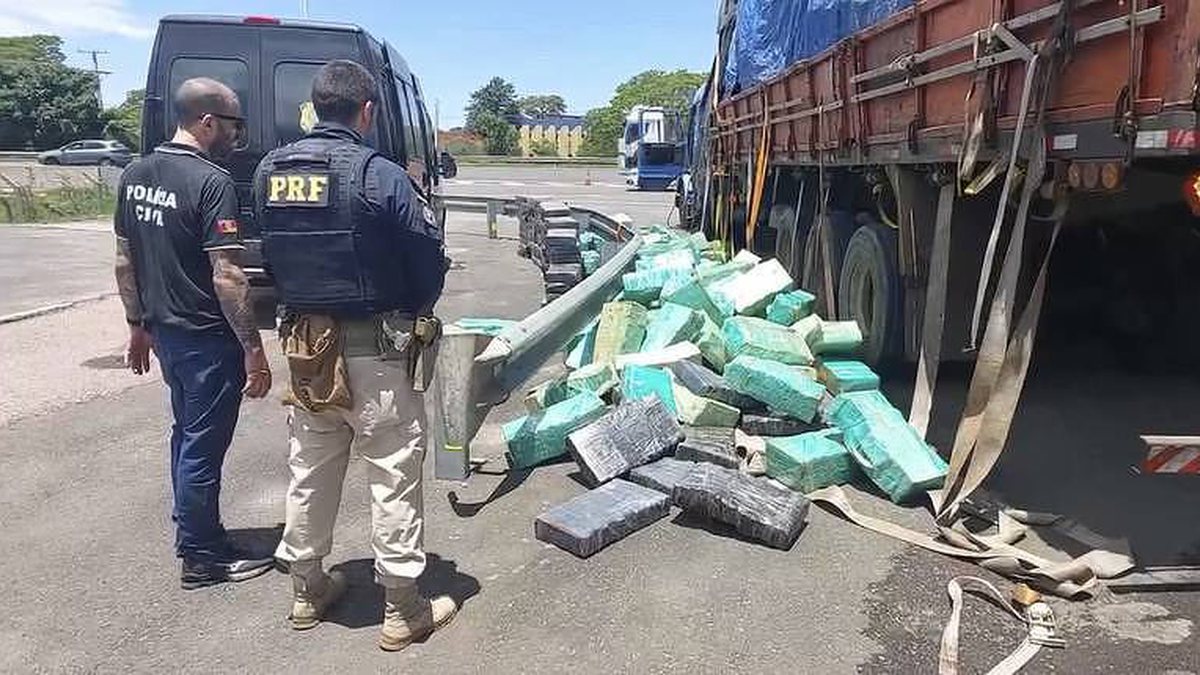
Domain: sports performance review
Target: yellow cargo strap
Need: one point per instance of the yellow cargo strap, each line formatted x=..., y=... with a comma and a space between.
x=760, y=175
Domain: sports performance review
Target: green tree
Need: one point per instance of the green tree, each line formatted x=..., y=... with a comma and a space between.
x=670, y=89
x=543, y=147
x=43, y=102
x=541, y=105
x=499, y=135
x=41, y=48
x=497, y=98
x=125, y=121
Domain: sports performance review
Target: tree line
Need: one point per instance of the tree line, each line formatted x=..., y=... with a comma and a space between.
x=492, y=106
x=44, y=103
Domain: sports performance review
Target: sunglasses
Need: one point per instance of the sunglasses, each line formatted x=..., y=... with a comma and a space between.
x=239, y=125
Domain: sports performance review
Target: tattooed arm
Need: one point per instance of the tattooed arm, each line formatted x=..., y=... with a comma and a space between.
x=137, y=352
x=233, y=292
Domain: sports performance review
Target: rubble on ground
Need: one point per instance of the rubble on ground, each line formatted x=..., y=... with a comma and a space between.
x=698, y=374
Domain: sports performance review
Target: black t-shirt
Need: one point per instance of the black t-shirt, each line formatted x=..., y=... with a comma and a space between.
x=174, y=207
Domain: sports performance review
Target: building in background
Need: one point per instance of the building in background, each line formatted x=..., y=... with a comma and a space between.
x=549, y=135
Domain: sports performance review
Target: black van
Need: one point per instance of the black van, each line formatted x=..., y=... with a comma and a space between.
x=270, y=63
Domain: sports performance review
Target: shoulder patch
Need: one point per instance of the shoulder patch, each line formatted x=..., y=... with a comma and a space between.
x=297, y=188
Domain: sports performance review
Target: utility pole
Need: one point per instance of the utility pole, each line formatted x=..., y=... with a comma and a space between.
x=304, y=8
x=95, y=54
x=437, y=120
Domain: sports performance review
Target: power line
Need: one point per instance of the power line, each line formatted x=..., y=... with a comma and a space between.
x=95, y=53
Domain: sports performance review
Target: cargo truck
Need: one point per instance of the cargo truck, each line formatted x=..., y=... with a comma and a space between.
x=886, y=151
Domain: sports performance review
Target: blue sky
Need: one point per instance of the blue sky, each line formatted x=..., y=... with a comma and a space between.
x=579, y=49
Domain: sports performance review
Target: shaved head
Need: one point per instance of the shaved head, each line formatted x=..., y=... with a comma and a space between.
x=202, y=96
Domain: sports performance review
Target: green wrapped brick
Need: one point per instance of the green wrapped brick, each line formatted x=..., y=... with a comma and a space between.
x=638, y=382
x=745, y=257
x=547, y=394
x=837, y=337
x=590, y=241
x=712, y=345
x=582, y=347
x=680, y=259
x=788, y=308
x=787, y=389
x=887, y=449
x=750, y=336
x=698, y=411
x=841, y=377
x=750, y=293
x=645, y=287
x=808, y=327
x=492, y=327
x=713, y=273
x=621, y=330
x=591, y=261
x=810, y=461
x=688, y=292
x=598, y=378
x=542, y=435
x=680, y=351
x=671, y=324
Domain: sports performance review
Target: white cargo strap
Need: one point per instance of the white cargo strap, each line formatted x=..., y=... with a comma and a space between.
x=1073, y=578
x=948, y=657
x=985, y=270
x=935, y=314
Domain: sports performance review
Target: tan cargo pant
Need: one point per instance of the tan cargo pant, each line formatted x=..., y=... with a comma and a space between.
x=385, y=428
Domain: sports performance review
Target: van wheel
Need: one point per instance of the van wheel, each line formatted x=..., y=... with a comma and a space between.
x=869, y=291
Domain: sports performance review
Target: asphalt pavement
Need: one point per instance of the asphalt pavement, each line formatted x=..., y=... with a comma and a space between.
x=92, y=586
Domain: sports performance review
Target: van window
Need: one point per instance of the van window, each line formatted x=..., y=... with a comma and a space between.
x=231, y=72
x=293, y=100
x=411, y=125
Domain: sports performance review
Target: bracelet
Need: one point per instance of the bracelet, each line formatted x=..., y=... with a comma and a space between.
x=135, y=322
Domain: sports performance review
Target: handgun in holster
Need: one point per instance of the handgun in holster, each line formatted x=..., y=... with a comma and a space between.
x=422, y=355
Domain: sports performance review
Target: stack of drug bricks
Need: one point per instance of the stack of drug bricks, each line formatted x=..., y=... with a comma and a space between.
x=699, y=377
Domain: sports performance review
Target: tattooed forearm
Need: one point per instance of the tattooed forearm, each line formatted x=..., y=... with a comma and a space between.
x=233, y=291
x=127, y=282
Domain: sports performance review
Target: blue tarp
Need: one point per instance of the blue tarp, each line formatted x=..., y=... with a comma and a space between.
x=771, y=35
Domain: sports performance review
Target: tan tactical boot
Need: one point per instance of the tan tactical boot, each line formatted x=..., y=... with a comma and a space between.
x=314, y=593
x=408, y=617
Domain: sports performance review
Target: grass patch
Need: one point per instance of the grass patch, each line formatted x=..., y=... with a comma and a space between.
x=23, y=205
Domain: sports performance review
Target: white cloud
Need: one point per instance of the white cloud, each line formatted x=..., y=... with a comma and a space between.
x=71, y=18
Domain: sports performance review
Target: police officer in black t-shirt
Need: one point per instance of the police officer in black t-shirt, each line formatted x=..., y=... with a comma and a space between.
x=357, y=258
x=178, y=272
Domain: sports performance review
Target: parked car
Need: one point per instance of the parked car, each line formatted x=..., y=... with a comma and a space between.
x=89, y=152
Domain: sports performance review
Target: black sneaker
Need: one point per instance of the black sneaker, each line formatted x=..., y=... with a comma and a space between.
x=210, y=572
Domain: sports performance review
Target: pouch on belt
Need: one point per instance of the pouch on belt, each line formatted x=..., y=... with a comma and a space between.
x=313, y=346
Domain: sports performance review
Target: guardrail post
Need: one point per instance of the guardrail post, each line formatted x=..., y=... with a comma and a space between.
x=454, y=411
x=493, y=209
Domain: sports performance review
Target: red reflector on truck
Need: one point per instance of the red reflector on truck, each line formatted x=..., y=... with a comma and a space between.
x=261, y=20
x=1182, y=139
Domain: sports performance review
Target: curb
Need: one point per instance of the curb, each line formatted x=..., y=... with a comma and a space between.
x=51, y=309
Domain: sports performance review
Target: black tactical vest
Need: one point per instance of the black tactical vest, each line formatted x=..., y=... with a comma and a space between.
x=327, y=251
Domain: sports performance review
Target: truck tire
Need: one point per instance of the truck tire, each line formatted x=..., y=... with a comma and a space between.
x=869, y=291
x=842, y=227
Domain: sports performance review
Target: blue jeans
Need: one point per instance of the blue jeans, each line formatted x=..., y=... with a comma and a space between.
x=206, y=374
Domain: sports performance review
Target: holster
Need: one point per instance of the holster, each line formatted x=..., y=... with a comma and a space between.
x=319, y=380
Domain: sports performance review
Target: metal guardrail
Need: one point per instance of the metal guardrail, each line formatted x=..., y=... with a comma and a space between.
x=473, y=373
x=503, y=160
x=17, y=156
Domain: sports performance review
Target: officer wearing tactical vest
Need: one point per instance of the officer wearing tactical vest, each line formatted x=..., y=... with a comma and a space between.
x=358, y=263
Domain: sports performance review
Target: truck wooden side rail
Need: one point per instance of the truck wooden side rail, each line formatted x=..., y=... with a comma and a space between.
x=856, y=142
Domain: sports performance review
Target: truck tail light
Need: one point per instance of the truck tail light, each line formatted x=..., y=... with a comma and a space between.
x=1191, y=192
x=260, y=20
